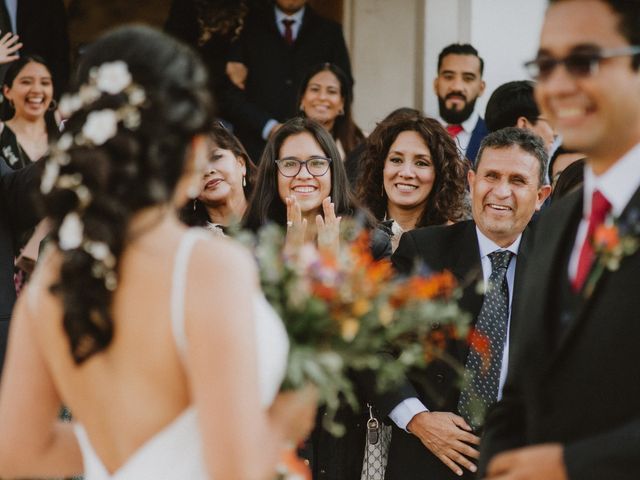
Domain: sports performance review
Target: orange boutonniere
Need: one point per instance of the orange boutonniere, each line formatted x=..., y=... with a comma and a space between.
x=612, y=242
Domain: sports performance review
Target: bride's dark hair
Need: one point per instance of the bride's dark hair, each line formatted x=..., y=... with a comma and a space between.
x=138, y=167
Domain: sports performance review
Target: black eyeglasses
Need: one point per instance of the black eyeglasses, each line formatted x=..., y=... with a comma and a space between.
x=579, y=64
x=316, y=166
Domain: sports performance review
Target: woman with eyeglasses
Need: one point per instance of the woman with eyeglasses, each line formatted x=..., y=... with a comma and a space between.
x=226, y=183
x=302, y=184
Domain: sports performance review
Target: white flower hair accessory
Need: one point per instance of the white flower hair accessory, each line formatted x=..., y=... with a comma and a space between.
x=100, y=126
x=111, y=78
x=71, y=232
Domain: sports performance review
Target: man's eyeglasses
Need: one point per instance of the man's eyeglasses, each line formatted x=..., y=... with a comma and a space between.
x=316, y=166
x=579, y=64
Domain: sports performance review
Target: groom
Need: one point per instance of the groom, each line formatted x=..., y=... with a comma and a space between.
x=570, y=408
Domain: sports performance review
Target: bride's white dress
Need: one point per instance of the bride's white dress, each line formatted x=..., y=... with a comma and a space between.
x=175, y=452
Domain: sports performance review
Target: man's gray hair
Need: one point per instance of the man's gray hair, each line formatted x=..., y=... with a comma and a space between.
x=523, y=138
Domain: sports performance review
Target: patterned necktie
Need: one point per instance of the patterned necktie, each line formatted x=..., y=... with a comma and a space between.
x=482, y=369
x=454, y=130
x=288, y=31
x=600, y=206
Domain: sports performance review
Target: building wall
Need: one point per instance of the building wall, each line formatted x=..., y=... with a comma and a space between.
x=394, y=47
x=386, y=53
x=505, y=32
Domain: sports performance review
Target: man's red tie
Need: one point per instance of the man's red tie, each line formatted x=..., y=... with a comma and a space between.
x=454, y=129
x=600, y=206
x=288, y=31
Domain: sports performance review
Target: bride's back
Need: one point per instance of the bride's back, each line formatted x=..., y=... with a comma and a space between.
x=126, y=393
x=102, y=300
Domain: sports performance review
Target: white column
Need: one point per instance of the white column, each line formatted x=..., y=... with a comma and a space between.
x=505, y=33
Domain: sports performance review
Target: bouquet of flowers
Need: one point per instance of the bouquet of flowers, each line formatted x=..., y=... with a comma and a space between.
x=343, y=310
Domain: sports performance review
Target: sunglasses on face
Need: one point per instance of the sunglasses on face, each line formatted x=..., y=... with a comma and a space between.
x=578, y=64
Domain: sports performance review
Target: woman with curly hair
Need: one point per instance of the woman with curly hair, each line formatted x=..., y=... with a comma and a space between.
x=412, y=175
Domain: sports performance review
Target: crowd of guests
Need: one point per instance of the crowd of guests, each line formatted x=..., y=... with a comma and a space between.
x=506, y=201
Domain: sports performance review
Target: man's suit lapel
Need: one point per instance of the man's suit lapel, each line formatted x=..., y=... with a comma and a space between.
x=468, y=271
x=307, y=19
x=632, y=206
x=521, y=264
x=545, y=265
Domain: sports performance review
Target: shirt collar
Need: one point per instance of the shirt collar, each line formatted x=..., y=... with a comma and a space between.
x=488, y=246
x=296, y=17
x=617, y=184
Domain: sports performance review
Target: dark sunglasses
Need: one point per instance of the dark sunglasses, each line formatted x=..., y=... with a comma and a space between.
x=579, y=64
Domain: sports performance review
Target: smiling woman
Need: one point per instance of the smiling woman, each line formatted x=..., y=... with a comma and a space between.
x=326, y=95
x=302, y=184
x=412, y=174
x=290, y=182
x=226, y=183
x=27, y=112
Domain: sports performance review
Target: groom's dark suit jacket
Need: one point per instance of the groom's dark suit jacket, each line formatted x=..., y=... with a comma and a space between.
x=454, y=248
x=574, y=376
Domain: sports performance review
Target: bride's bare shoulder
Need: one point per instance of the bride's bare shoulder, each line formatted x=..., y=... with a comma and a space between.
x=218, y=259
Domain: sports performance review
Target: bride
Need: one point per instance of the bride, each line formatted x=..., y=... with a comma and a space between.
x=156, y=337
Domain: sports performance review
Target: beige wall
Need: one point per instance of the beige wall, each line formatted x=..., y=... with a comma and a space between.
x=394, y=46
x=385, y=41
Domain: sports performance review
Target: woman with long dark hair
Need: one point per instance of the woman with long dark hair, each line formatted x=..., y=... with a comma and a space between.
x=326, y=96
x=226, y=184
x=301, y=183
x=28, y=111
x=156, y=337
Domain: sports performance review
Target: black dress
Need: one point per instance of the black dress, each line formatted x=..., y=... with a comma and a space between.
x=11, y=151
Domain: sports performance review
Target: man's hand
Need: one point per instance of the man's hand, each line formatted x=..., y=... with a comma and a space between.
x=237, y=73
x=448, y=437
x=540, y=462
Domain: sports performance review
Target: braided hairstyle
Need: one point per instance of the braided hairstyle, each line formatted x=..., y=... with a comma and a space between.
x=106, y=182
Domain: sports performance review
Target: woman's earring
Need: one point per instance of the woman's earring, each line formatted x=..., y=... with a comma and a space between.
x=244, y=180
x=195, y=203
x=53, y=105
x=193, y=191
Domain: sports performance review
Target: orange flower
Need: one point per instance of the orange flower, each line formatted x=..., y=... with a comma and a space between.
x=360, y=307
x=379, y=271
x=606, y=237
x=323, y=291
x=481, y=344
x=424, y=288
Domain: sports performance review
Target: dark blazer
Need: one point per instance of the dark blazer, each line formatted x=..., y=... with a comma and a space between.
x=479, y=132
x=42, y=26
x=577, y=384
x=454, y=248
x=17, y=215
x=276, y=70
